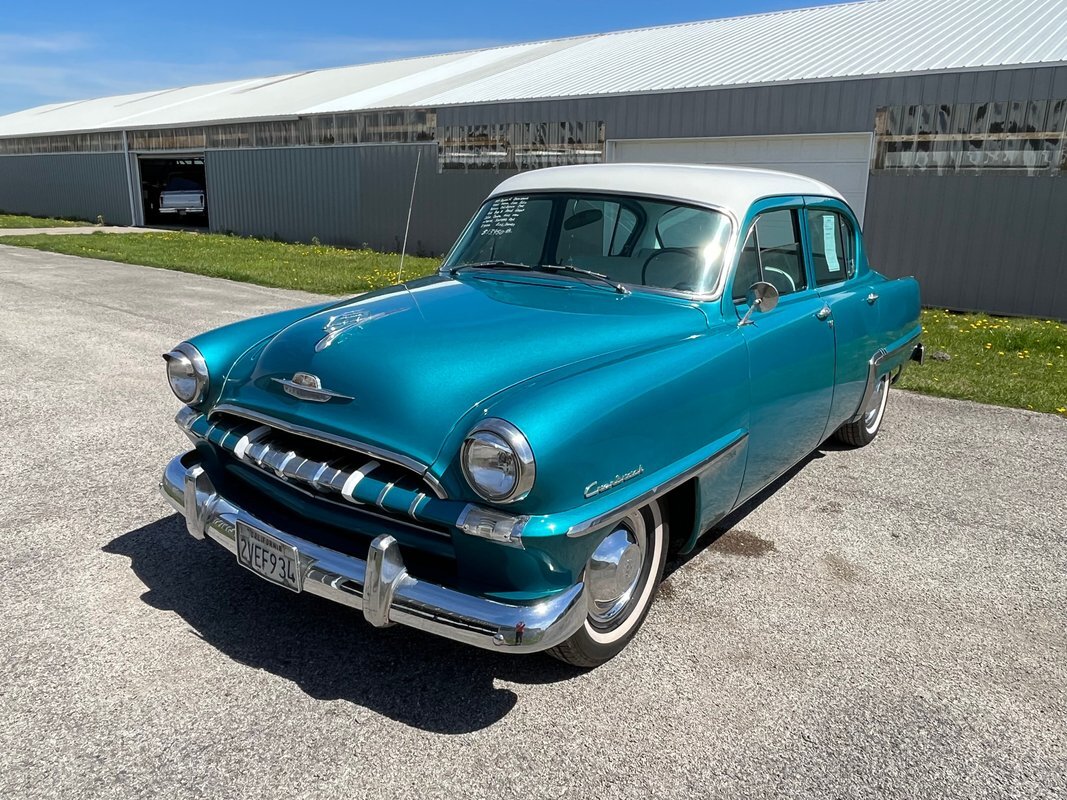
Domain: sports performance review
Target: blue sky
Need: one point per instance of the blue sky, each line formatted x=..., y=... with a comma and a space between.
x=60, y=50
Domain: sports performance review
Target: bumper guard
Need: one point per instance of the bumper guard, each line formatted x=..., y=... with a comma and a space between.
x=381, y=586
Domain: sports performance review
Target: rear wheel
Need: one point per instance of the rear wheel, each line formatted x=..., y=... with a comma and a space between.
x=621, y=580
x=862, y=431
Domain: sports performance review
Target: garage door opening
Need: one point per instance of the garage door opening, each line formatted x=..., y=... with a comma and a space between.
x=174, y=191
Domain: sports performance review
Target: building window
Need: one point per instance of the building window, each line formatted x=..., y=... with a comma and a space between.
x=374, y=127
x=1009, y=135
x=520, y=145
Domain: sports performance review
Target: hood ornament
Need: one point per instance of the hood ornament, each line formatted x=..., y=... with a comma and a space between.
x=305, y=386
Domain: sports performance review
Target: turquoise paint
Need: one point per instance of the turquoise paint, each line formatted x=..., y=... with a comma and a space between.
x=602, y=384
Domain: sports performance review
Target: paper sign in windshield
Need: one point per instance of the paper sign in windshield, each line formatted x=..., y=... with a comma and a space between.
x=500, y=219
x=829, y=243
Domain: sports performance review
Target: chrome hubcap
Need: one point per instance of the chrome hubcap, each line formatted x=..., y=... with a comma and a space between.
x=615, y=569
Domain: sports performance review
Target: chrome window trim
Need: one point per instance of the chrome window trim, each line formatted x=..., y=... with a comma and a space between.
x=358, y=447
x=701, y=297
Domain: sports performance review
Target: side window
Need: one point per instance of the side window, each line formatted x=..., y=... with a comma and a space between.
x=833, y=245
x=772, y=253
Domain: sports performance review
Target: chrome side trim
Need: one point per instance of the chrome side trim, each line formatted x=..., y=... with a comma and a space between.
x=874, y=371
x=617, y=513
x=381, y=585
x=357, y=447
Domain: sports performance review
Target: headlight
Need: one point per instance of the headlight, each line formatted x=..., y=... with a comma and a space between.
x=187, y=373
x=498, y=462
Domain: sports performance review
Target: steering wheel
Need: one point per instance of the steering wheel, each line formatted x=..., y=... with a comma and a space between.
x=665, y=251
x=784, y=274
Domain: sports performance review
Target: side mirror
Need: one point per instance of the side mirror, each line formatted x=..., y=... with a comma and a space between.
x=762, y=297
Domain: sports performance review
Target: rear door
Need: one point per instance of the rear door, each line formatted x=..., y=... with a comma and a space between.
x=790, y=348
x=841, y=280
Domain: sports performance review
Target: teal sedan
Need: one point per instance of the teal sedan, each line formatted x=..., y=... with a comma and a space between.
x=609, y=361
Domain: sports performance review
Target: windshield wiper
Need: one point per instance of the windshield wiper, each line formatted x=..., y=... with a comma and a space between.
x=489, y=265
x=618, y=287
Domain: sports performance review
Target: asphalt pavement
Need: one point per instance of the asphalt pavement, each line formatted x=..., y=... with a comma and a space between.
x=888, y=622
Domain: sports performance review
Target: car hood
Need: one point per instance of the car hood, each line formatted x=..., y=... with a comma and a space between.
x=417, y=358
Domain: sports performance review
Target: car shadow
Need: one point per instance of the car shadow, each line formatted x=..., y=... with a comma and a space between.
x=329, y=651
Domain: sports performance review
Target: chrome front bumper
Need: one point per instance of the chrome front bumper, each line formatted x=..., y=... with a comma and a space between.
x=381, y=586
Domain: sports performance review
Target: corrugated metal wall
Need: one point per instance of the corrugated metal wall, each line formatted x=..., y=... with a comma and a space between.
x=349, y=196
x=994, y=241
x=81, y=185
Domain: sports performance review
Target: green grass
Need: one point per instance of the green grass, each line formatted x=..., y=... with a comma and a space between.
x=20, y=221
x=1004, y=361
x=312, y=268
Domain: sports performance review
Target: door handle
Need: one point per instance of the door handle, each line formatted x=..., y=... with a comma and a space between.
x=823, y=312
x=871, y=298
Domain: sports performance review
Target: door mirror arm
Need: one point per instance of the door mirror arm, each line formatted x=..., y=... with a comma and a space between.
x=762, y=297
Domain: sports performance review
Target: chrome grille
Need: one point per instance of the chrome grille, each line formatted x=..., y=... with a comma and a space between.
x=324, y=468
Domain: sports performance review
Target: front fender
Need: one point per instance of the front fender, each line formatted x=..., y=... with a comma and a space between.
x=608, y=434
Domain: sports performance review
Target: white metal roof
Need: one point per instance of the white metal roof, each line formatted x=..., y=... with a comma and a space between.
x=731, y=188
x=876, y=37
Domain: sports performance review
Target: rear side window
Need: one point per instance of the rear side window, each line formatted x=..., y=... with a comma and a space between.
x=833, y=245
x=772, y=253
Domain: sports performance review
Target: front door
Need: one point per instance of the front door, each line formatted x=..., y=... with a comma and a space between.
x=790, y=350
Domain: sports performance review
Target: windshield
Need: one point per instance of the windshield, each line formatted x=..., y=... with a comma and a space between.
x=632, y=240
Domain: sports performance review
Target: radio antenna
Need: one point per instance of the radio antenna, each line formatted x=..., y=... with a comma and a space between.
x=407, y=225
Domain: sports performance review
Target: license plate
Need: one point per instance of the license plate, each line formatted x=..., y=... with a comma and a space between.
x=268, y=557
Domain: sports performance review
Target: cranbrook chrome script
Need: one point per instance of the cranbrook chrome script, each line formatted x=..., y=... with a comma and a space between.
x=595, y=488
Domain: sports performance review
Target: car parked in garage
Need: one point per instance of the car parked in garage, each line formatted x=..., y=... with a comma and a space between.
x=609, y=361
x=182, y=195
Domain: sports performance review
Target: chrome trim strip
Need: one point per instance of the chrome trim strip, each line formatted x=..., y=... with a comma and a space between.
x=415, y=505
x=249, y=439
x=617, y=513
x=359, y=447
x=382, y=586
x=874, y=372
x=381, y=495
x=353, y=480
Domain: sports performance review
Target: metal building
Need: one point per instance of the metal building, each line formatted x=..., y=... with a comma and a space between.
x=942, y=121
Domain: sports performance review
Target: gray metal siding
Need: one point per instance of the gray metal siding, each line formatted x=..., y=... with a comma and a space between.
x=79, y=185
x=993, y=242
x=349, y=196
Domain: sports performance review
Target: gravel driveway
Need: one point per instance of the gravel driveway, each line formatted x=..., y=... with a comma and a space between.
x=885, y=623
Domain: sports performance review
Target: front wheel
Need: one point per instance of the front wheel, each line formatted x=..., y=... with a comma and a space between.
x=862, y=431
x=621, y=580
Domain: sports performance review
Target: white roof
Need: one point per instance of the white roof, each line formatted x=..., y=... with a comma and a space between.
x=876, y=37
x=733, y=189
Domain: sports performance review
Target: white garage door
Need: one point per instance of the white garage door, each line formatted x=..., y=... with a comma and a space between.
x=840, y=159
